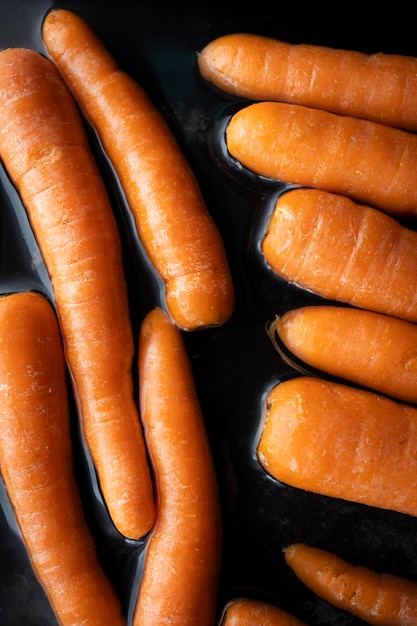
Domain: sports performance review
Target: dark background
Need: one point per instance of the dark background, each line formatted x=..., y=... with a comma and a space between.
x=234, y=365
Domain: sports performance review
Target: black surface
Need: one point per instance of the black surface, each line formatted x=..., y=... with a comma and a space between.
x=234, y=365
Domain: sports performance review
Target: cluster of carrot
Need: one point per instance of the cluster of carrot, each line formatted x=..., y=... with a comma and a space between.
x=151, y=454
x=337, y=129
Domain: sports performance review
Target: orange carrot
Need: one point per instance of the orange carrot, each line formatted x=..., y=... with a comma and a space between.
x=370, y=162
x=250, y=612
x=380, y=87
x=374, y=350
x=343, y=251
x=182, y=559
x=45, y=151
x=36, y=463
x=172, y=220
x=342, y=442
x=380, y=599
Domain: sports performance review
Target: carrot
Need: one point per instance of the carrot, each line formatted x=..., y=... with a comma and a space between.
x=45, y=152
x=370, y=162
x=380, y=599
x=342, y=442
x=343, y=251
x=380, y=87
x=172, y=220
x=36, y=463
x=182, y=559
x=374, y=350
x=250, y=612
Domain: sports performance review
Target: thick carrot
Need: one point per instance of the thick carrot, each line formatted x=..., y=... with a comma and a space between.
x=342, y=442
x=182, y=561
x=374, y=350
x=36, y=463
x=377, y=598
x=370, y=162
x=380, y=87
x=45, y=151
x=343, y=251
x=172, y=220
x=250, y=612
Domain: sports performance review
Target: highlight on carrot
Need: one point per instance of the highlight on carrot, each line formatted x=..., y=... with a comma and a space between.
x=343, y=251
x=174, y=225
x=251, y=612
x=37, y=467
x=342, y=442
x=376, y=351
x=376, y=598
x=369, y=162
x=45, y=151
x=380, y=87
x=183, y=551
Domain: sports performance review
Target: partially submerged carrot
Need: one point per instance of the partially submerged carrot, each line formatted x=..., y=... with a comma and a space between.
x=374, y=350
x=342, y=442
x=36, y=464
x=380, y=87
x=377, y=598
x=45, y=151
x=370, y=162
x=343, y=251
x=182, y=559
x=250, y=612
x=172, y=220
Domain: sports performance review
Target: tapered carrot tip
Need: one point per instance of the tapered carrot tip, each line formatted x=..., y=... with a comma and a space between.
x=200, y=300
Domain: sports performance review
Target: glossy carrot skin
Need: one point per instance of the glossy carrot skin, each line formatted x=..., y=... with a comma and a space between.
x=172, y=220
x=250, y=612
x=373, y=350
x=342, y=442
x=181, y=567
x=380, y=599
x=380, y=87
x=36, y=463
x=46, y=154
x=369, y=162
x=343, y=251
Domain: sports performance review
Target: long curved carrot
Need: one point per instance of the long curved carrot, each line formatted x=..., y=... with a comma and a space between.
x=343, y=251
x=377, y=598
x=370, y=162
x=380, y=87
x=374, y=350
x=182, y=560
x=251, y=612
x=45, y=151
x=172, y=220
x=36, y=464
x=342, y=442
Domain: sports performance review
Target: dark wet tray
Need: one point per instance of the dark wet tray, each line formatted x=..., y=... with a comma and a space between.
x=234, y=365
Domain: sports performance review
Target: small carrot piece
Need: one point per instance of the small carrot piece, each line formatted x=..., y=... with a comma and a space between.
x=36, y=463
x=46, y=154
x=373, y=350
x=380, y=87
x=172, y=220
x=250, y=612
x=182, y=559
x=343, y=251
x=377, y=598
x=342, y=442
x=370, y=162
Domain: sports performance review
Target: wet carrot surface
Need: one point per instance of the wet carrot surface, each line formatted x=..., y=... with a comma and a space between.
x=233, y=363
